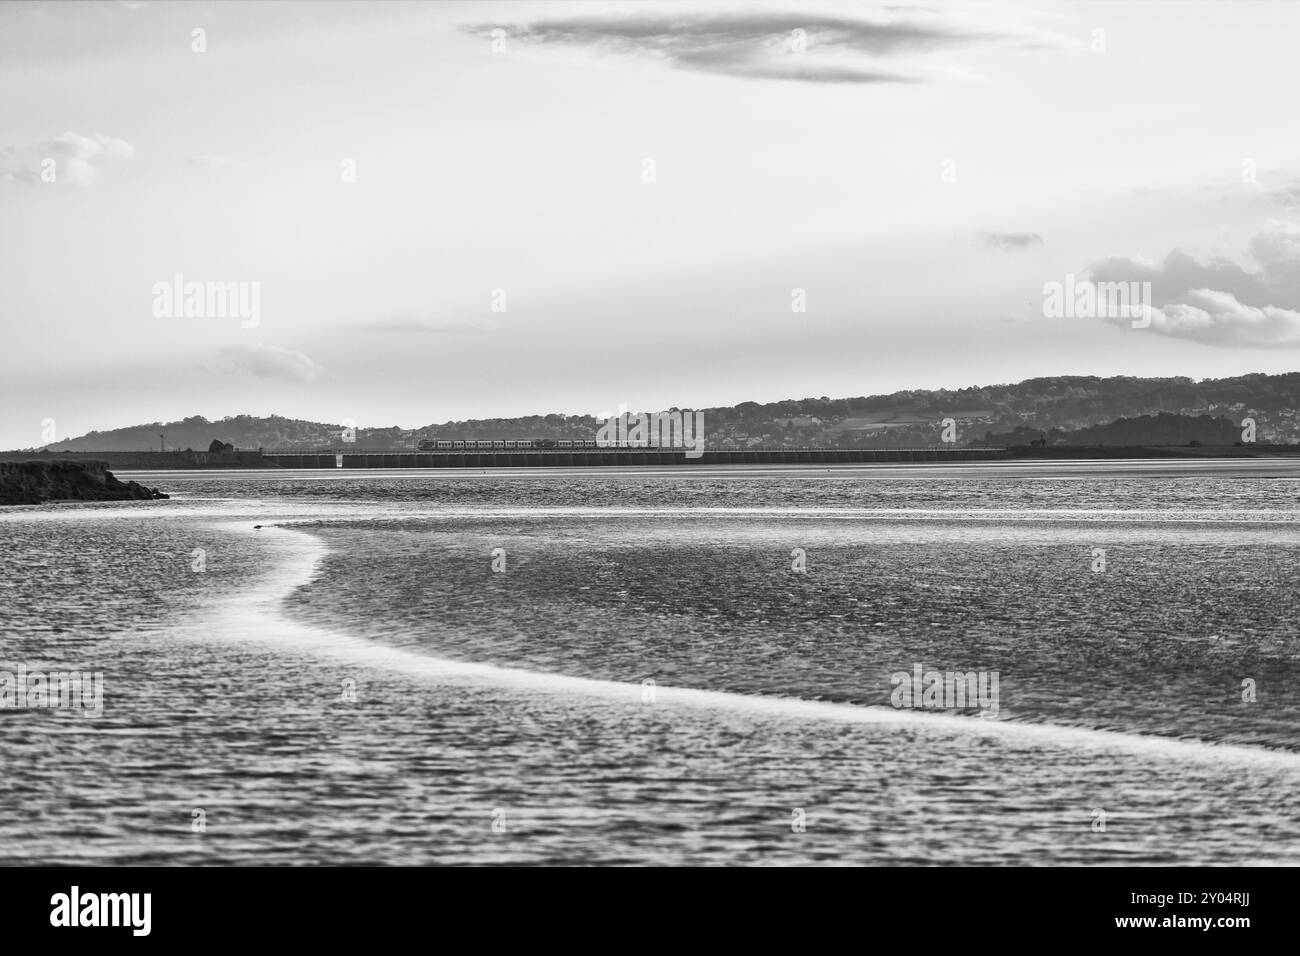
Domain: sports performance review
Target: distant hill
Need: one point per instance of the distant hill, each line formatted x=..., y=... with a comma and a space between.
x=1064, y=404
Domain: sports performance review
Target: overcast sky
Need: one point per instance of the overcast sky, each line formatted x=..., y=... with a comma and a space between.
x=647, y=183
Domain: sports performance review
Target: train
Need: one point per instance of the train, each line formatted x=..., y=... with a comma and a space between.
x=498, y=444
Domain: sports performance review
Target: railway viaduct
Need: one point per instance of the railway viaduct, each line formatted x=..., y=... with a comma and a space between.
x=595, y=457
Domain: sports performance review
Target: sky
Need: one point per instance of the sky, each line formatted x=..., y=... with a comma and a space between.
x=462, y=210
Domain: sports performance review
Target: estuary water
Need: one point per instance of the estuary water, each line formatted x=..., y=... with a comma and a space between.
x=641, y=666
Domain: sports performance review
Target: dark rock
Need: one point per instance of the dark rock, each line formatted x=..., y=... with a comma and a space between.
x=34, y=482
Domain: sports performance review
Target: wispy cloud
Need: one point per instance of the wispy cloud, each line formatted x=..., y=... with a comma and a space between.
x=1221, y=302
x=1287, y=196
x=272, y=362
x=1009, y=241
x=801, y=45
x=67, y=158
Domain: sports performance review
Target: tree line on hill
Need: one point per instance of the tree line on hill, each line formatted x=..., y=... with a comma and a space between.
x=1161, y=429
x=1126, y=410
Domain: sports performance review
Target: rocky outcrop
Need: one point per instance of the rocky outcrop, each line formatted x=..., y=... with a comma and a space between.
x=34, y=482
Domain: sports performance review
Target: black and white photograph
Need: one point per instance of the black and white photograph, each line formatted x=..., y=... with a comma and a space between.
x=650, y=434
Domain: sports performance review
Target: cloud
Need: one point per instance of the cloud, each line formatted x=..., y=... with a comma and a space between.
x=69, y=157
x=1287, y=196
x=1010, y=241
x=1217, y=318
x=1220, y=302
x=271, y=362
x=800, y=45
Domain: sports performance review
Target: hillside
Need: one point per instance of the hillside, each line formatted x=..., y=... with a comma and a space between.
x=1161, y=429
x=1067, y=404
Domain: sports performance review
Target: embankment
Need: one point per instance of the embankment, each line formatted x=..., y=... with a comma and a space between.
x=151, y=460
